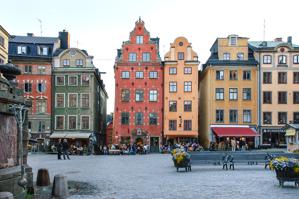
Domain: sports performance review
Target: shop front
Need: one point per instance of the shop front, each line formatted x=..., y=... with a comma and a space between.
x=292, y=137
x=273, y=137
x=76, y=139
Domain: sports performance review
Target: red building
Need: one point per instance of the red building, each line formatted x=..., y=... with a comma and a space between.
x=138, y=112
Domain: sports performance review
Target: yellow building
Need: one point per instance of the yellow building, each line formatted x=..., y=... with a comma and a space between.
x=180, y=92
x=279, y=88
x=228, y=93
x=4, y=36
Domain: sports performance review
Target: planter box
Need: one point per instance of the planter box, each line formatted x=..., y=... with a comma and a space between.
x=287, y=175
x=183, y=164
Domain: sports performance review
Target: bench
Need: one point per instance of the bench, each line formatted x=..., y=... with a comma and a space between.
x=114, y=152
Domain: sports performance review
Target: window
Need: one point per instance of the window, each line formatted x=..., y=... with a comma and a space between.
x=41, y=87
x=139, y=39
x=73, y=81
x=219, y=116
x=59, y=122
x=296, y=117
x=2, y=41
x=72, y=122
x=27, y=87
x=226, y=56
x=282, y=77
x=296, y=97
x=267, y=78
x=282, y=97
x=233, y=94
x=79, y=62
x=247, y=75
x=267, y=97
x=66, y=62
x=180, y=56
x=28, y=69
x=85, y=80
x=246, y=93
x=41, y=126
x=187, y=106
x=219, y=93
x=42, y=50
x=172, y=125
x=125, y=74
x=125, y=118
x=233, y=116
x=22, y=50
x=172, y=71
x=233, y=41
x=240, y=56
x=153, y=117
x=282, y=117
x=233, y=74
x=139, y=118
x=296, y=77
x=132, y=57
x=139, y=74
x=60, y=81
x=85, y=122
x=282, y=59
x=247, y=116
x=267, y=59
x=125, y=95
x=267, y=117
x=146, y=57
x=296, y=59
x=59, y=100
x=187, y=86
x=187, y=125
x=220, y=75
x=187, y=70
x=73, y=100
x=41, y=69
x=139, y=95
x=85, y=100
x=153, y=95
x=41, y=106
x=153, y=74
x=172, y=87
x=172, y=106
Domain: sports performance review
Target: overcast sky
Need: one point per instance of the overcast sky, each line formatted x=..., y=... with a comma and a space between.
x=100, y=26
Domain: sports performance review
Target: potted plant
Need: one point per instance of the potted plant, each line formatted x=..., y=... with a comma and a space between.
x=181, y=159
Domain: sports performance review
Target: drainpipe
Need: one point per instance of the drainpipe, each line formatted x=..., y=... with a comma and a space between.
x=259, y=99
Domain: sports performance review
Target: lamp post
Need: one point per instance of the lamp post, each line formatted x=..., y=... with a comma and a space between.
x=19, y=111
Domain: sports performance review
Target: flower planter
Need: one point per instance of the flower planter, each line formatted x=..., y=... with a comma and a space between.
x=287, y=175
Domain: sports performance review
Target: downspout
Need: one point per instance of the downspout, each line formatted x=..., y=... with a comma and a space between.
x=259, y=99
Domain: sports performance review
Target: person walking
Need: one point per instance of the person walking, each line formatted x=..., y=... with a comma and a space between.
x=65, y=149
x=59, y=149
x=233, y=143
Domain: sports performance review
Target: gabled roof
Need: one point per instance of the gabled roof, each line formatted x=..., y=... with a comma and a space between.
x=33, y=39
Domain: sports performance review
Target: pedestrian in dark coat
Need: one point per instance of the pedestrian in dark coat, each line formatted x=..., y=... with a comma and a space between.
x=65, y=149
x=59, y=149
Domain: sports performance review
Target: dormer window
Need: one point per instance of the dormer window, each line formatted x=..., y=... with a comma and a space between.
x=226, y=56
x=233, y=40
x=79, y=62
x=22, y=50
x=139, y=39
x=180, y=56
x=42, y=50
x=66, y=62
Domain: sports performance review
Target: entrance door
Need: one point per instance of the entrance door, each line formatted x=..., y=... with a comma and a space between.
x=154, y=145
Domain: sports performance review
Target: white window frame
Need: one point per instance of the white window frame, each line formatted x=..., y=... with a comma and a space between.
x=248, y=116
x=22, y=50
x=81, y=122
x=125, y=76
x=43, y=83
x=56, y=100
x=226, y=56
x=139, y=76
x=68, y=100
x=63, y=80
x=219, y=95
x=68, y=80
x=68, y=122
x=187, y=70
x=153, y=95
x=56, y=122
x=233, y=95
x=79, y=62
x=154, y=76
x=66, y=60
x=146, y=57
x=139, y=39
x=82, y=80
x=131, y=56
x=81, y=101
x=40, y=50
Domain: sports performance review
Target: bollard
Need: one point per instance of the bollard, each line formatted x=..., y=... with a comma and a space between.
x=43, y=178
x=60, y=186
x=6, y=195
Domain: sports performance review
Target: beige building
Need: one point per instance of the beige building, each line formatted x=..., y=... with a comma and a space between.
x=180, y=92
x=228, y=93
x=4, y=37
x=279, y=88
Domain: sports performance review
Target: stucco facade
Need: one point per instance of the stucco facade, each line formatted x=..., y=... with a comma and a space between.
x=180, y=92
x=228, y=87
x=4, y=37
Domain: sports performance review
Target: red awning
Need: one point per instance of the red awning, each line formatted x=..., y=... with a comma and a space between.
x=234, y=132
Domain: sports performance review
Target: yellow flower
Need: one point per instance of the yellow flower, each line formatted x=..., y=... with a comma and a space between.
x=296, y=169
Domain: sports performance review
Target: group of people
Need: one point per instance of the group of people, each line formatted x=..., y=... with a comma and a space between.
x=189, y=146
x=233, y=144
x=62, y=149
x=126, y=149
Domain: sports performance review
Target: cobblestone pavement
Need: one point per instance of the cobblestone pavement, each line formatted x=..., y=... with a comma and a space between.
x=153, y=176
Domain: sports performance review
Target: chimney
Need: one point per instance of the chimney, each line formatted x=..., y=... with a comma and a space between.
x=64, y=37
x=30, y=34
x=290, y=39
x=278, y=39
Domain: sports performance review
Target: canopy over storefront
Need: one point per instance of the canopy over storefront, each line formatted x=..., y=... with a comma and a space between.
x=70, y=135
x=234, y=132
